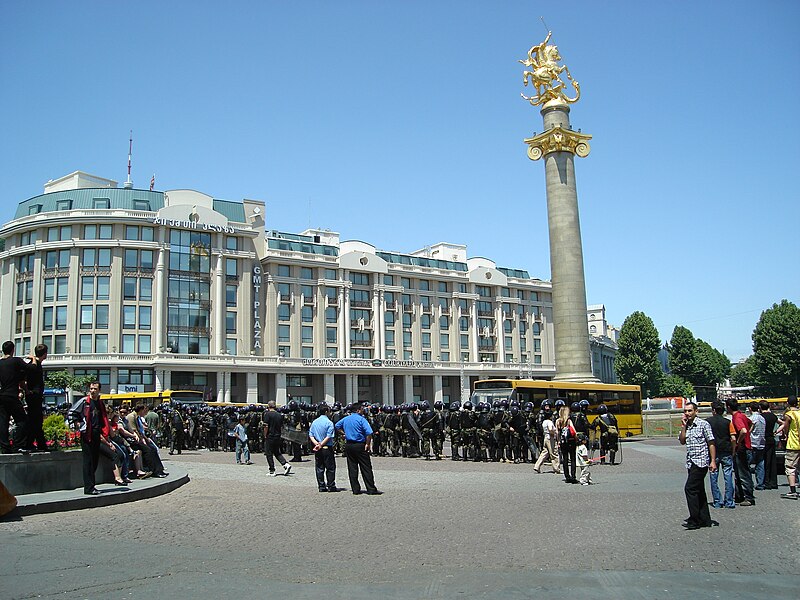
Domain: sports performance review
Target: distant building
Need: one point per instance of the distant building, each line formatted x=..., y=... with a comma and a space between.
x=602, y=343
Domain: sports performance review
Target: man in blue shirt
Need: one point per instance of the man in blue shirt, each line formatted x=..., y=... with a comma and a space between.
x=321, y=435
x=358, y=445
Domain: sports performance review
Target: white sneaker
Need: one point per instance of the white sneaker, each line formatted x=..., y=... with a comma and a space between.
x=272, y=474
x=287, y=468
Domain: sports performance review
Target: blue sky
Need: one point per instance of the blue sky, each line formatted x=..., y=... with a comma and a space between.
x=400, y=123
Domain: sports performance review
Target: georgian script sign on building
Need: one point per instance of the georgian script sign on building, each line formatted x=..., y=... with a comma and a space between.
x=257, y=329
x=195, y=216
x=366, y=362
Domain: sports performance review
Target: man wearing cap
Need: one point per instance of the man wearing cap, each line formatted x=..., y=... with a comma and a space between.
x=358, y=445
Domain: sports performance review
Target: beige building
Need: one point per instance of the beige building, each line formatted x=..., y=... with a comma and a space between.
x=178, y=290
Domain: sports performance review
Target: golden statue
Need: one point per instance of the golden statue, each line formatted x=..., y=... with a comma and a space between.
x=545, y=75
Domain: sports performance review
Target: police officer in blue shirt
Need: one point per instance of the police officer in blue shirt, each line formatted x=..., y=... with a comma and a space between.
x=357, y=448
x=321, y=435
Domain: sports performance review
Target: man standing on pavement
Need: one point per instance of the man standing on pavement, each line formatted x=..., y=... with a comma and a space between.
x=91, y=412
x=757, y=441
x=701, y=457
x=770, y=460
x=721, y=428
x=272, y=424
x=740, y=439
x=13, y=371
x=358, y=445
x=321, y=435
x=790, y=429
x=34, y=398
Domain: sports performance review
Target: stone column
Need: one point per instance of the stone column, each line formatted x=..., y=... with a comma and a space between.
x=330, y=389
x=252, y=387
x=408, y=388
x=438, y=395
x=280, y=389
x=558, y=145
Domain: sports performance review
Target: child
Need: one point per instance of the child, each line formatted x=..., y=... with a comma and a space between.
x=240, y=432
x=582, y=460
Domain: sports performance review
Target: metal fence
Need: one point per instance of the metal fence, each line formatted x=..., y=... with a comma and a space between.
x=665, y=422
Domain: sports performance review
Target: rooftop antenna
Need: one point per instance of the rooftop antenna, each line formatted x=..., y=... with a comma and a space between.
x=545, y=24
x=129, y=183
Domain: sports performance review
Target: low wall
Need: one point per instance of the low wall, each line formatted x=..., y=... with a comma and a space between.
x=48, y=472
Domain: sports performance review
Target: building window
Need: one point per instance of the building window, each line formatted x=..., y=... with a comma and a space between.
x=425, y=321
x=284, y=291
x=306, y=273
x=230, y=295
x=189, y=251
x=283, y=333
x=145, y=317
x=330, y=335
x=97, y=232
x=86, y=316
x=141, y=205
x=129, y=285
x=101, y=343
x=388, y=318
x=231, y=268
x=307, y=314
x=444, y=340
x=231, y=243
x=424, y=285
x=59, y=234
x=389, y=337
x=284, y=271
x=101, y=316
x=34, y=209
x=426, y=340
x=129, y=317
x=101, y=203
x=230, y=322
x=87, y=288
x=47, y=317
x=308, y=334
x=85, y=343
x=284, y=311
x=359, y=278
x=230, y=345
x=388, y=280
x=128, y=345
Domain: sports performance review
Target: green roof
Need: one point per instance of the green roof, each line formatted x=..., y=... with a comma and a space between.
x=420, y=261
x=85, y=199
x=518, y=273
x=120, y=198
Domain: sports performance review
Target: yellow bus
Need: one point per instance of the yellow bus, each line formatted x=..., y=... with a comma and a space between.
x=153, y=399
x=623, y=401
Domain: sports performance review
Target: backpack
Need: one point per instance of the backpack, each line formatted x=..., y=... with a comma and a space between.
x=568, y=433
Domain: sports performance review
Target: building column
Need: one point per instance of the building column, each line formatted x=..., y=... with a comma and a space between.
x=348, y=389
x=343, y=323
x=329, y=388
x=473, y=338
x=113, y=384
x=438, y=395
x=408, y=388
x=227, y=376
x=221, y=386
x=252, y=387
x=159, y=302
x=280, y=389
x=378, y=309
x=386, y=388
x=160, y=380
x=218, y=308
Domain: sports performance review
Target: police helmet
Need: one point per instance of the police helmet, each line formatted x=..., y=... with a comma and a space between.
x=455, y=405
x=574, y=407
x=560, y=403
x=438, y=405
x=528, y=407
x=584, y=404
x=602, y=409
x=467, y=405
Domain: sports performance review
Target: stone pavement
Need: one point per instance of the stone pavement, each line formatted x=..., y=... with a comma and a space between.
x=441, y=530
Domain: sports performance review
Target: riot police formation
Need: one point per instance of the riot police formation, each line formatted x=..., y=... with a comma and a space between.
x=500, y=431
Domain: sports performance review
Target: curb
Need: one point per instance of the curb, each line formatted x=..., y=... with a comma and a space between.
x=50, y=502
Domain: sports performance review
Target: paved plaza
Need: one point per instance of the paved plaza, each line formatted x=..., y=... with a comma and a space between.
x=441, y=530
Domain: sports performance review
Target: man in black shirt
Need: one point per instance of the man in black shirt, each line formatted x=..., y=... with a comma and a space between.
x=720, y=427
x=770, y=461
x=272, y=424
x=13, y=371
x=34, y=398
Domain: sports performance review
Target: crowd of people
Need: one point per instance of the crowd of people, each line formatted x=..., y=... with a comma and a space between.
x=743, y=448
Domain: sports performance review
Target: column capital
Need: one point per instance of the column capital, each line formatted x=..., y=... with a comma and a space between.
x=558, y=139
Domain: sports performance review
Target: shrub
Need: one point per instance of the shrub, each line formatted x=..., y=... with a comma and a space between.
x=56, y=432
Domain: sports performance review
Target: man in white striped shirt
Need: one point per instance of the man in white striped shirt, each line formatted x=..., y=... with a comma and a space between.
x=701, y=457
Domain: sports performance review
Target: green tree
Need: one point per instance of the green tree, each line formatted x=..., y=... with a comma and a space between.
x=637, y=357
x=64, y=379
x=675, y=385
x=682, y=358
x=711, y=368
x=776, y=348
x=745, y=373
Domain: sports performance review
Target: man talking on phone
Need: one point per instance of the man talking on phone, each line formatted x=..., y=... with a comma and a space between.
x=701, y=457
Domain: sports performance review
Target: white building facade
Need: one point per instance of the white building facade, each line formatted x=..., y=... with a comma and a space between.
x=152, y=290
